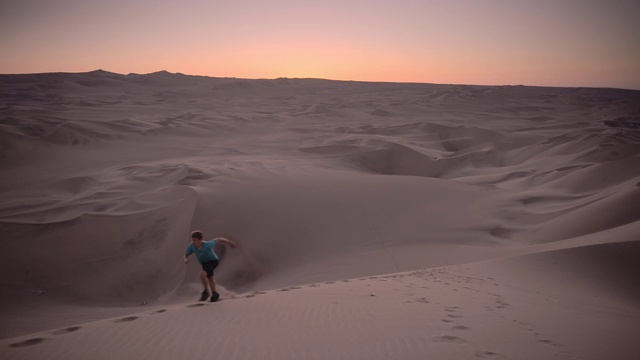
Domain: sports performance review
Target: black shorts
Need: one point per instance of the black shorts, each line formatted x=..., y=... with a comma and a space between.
x=209, y=266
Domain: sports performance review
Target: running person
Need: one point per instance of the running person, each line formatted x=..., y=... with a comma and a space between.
x=208, y=259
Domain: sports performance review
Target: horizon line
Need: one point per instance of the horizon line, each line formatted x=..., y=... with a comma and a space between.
x=314, y=78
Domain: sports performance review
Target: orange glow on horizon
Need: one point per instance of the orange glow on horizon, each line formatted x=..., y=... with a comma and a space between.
x=464, y=42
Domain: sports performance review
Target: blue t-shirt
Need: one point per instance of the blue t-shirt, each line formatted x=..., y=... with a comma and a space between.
x=203, y=254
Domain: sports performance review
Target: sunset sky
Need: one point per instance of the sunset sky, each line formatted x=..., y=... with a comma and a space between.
x=542, y=42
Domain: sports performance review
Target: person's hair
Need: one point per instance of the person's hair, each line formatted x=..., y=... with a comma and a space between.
x=197, y=234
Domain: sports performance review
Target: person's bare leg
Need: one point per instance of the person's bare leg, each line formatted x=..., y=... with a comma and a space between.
x=212, y=284
x=203, y=279
x=214, y=295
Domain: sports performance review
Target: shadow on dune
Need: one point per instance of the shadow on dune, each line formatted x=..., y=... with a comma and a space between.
x=108, y=259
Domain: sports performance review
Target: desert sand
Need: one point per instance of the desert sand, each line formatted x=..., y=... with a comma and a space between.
x=374, y=220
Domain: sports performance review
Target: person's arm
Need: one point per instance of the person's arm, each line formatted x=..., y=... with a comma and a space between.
x=188, y=252
x=226, y=241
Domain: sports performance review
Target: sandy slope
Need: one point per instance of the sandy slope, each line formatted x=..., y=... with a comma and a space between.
x=412, y=220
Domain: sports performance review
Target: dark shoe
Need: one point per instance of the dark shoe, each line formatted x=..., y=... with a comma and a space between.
x=215, y=297
x=204, y=295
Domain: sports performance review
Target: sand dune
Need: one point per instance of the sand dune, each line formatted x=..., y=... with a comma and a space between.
x=375, y=220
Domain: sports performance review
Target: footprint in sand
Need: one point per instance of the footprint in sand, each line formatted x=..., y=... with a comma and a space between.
x=486, y=355
x=453, y=316
x=289, y=288
x=126, y=319
x=548, y=342
x=159, y=311
x=460, y=327
x=446, y=320
x=501, y=304
x=30, y=342
x=423, y=300
x=452, y=339
x=195, y=305
x=256, y=293
x=66, y=330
